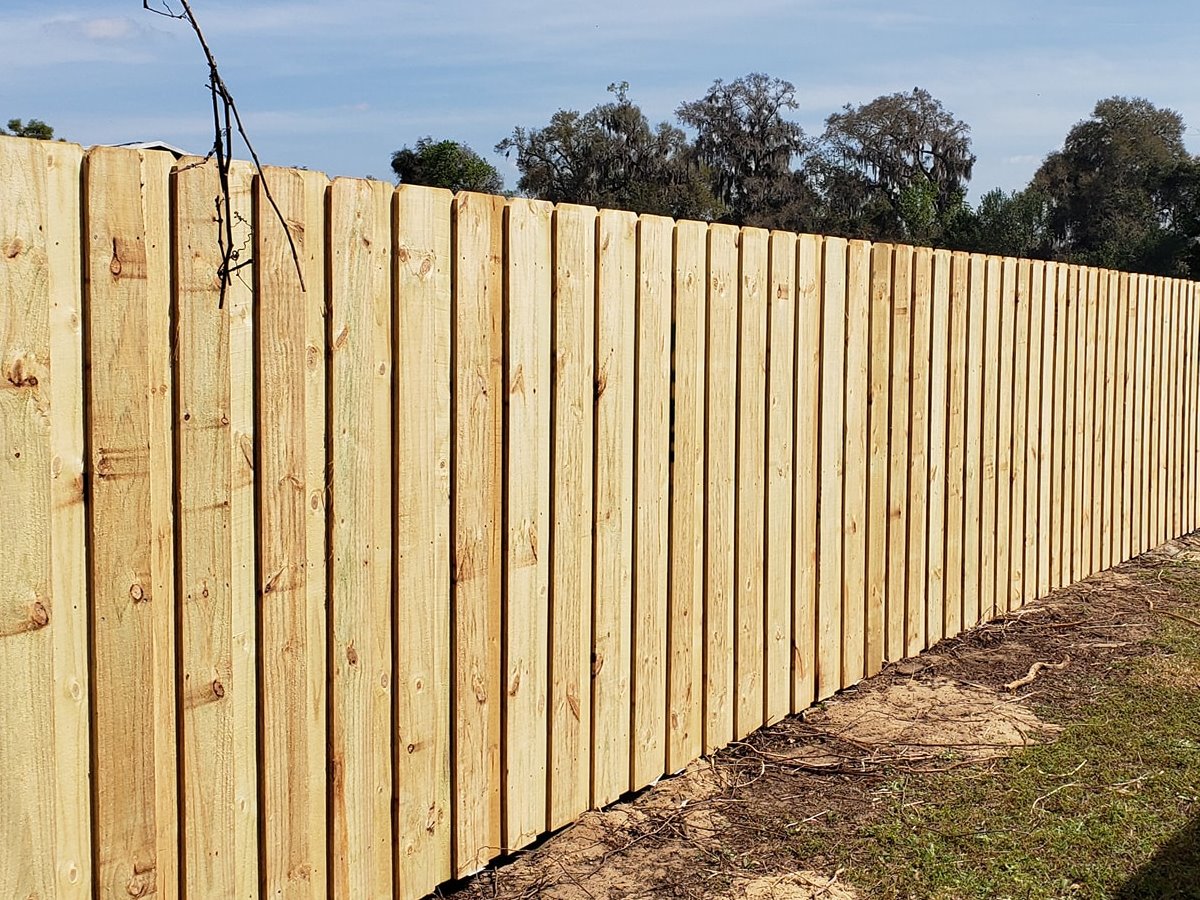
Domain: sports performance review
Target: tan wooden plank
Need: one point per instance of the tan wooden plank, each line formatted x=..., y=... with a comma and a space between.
x=781, y=390
x=1073, y=419
x=1154, y=422
x=832, y=449
x=1034, y=456
x=854, y=501
x=685, y=616
x=900, y=440
x=956, y=435
x=1193, y=439
x=478, y=385
x=809, y=279
x=918, y=480
x=973, y=442
x=67, y=539
x=1106, y=388
x=991, y=422
x=1140, y=307
x=422, y=266
x=939, y=395
x=1175, y=416
x=721, y=412
x=44, y=715
x=751, y=486
x=360, y=551
x=1004, y=442
x=571, y=554
x=878, y=397
x=1089, y=509
x=216, y=551
x=616, y=295
x=1125, y=348
x=527, y=291
x=291, y=533
x=651, y=485
x=1049, y=418
x=1060, y=553
x=123, y=623
x=1020, y=437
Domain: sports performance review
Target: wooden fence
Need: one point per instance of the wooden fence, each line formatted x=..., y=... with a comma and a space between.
x=488, y=511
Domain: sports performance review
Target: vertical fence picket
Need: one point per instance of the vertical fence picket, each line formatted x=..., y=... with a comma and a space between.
x=973, y=442
x=1004, y=441
x=918, y=480
x=939, y=395
x=956, y=434
x=900, y=443
x=878, y=404
x=854, y=471
x=1020, y=438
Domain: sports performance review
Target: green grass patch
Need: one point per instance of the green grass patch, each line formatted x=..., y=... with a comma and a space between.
x=1109, y=810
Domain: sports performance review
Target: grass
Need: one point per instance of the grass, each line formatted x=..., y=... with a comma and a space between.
x=1109, y=810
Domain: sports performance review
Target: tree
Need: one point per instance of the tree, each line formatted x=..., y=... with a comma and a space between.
x=34, y=128
x=1122, y=192
x=446, y=164
x=896, y=168
x=749, y=146
x=611, y=157
x=1004, y=224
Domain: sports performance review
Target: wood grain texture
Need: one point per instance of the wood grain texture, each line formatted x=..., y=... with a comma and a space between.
x=832, y=450
x=133, y=580
x=900, y=442
x=1004, y=442
x=956, y=434
x=751, y=482
x=1035, y=455
x=973, y=442
x=854, y=509
x=44, y=714
x=809, y=279
x=721, y=411
x=991, y=427
x=939, y=397
x=781, y=391
x=527, y=536
x=574, y=384
x=215, y=496
x=360, y=552
x=478, y=386
x=879, y=409
x=918, y=478
x=1020, y=438
x=290, y=423
x=651, y=536
x=422, y=265
x=612, y=622
x=685, y=614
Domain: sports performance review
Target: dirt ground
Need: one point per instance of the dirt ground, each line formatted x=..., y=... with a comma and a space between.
x=771, y=818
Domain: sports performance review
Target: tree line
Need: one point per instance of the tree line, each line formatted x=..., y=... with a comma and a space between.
x=1123, y=192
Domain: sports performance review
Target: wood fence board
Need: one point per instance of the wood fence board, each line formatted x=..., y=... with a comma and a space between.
x=1175, y=416
x=809, y=278
x=918, y=541
x=991, y=423
x=973, y=442
x=685, y=616
x=878, y=405
x=215, y=559
x=1154, y=420
x=651, y=482
x=1140, y=305
x=854, y=508
x=751, y=474
x=781, y=391
x=1034, y=456
x=132, y=605
x=721, y=411
x=956, y=433
x=829, y=497
x=290, y=471
x=44, y=714
x=528, y=284
x=1004, y=442
x=1048, y=427
x=899, y=442
x=478, y=385
x=360, y=551
x=616, y=293
x=939, y=395
x=1085, y=427
x=1020, y=436
x=1108, y=320
x=1060, y=553
x=1124, y=419
x=422, y=266
x=574, y=383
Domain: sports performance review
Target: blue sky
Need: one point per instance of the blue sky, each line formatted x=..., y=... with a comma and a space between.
x=337, y=86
